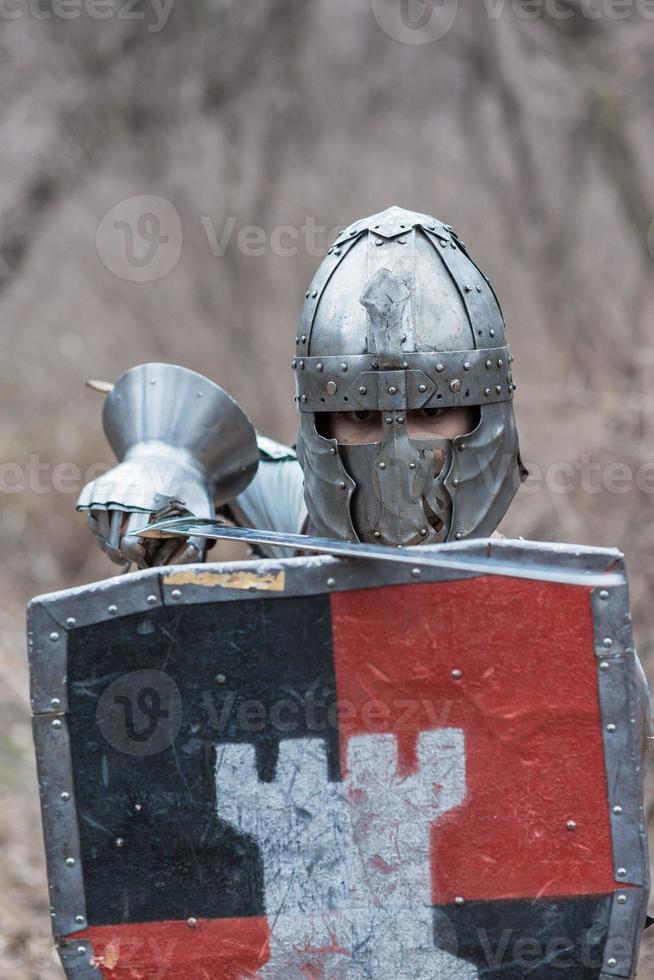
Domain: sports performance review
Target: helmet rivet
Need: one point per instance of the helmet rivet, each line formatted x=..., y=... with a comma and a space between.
x=302, y=364
x=489, y=364
x=455, y=385
x=492, y=333
x=343, y=366
x=443, y=244
x=400, y=420
x=467, y=365
x=297, y=340
x=306, y=295
x=392, y=390
x=498, y=389
x=401, y=241
x=319, y=366
x=304, y=398
x=303, y=339
x=330, y=250
x=332, y=451
x=462, y=446
x=487, y=392
x=343, y=485
x=379, y=241
x=363, y=390
x=500, y=362
x=389, y=420
x=478, y=288
x=468, y=287
x=440, y=367
x=423, y=532
x=377, y=534
x=514, y=386
x=458, y=535
x=331, y=388
x=337, y=251
x=412, y=466
x=455, y=483
x=422, y=389
x=314, y=293
x=293, y=365
x=382, y=466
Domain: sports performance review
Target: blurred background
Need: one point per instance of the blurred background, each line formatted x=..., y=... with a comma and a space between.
x=172, y=172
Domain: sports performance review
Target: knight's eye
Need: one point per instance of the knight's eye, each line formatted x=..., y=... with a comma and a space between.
x=361, y=416
x=432, y=413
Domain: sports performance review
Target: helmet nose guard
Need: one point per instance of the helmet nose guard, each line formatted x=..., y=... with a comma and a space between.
x=398, y=317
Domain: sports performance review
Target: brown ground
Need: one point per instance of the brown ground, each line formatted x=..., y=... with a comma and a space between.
x=533, y=137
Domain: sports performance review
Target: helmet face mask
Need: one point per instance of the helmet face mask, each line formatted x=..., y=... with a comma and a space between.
x=400, y=497
x=399, y=320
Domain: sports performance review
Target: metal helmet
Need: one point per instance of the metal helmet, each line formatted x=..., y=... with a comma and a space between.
x=399, y=317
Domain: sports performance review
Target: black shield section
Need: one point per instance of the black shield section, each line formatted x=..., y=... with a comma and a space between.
x=528, y=939
x=150, y=697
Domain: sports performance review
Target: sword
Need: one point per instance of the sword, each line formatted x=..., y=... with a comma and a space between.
x=436, y=557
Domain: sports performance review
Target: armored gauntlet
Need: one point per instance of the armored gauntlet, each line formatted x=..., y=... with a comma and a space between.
x=184, y=446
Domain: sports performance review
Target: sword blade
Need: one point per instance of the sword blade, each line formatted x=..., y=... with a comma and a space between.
x=435, y=557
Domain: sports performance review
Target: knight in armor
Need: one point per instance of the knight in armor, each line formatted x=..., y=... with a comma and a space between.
x=404, y=386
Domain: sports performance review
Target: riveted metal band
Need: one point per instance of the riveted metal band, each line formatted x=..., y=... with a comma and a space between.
x=618, y=700
x=60, y=830
x=433, y=380
x=394, y=222
x=50, y=619
x=46, y=645
x=476, y=294
x=612, y=622
x=623, y=730
x=325, y=271
x=77, y=960
x=623, y=940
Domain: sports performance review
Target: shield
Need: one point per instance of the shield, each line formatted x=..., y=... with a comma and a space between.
x=317, y=767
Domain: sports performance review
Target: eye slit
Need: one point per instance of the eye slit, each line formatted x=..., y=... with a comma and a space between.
x=432, y=413
x=362, y=415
